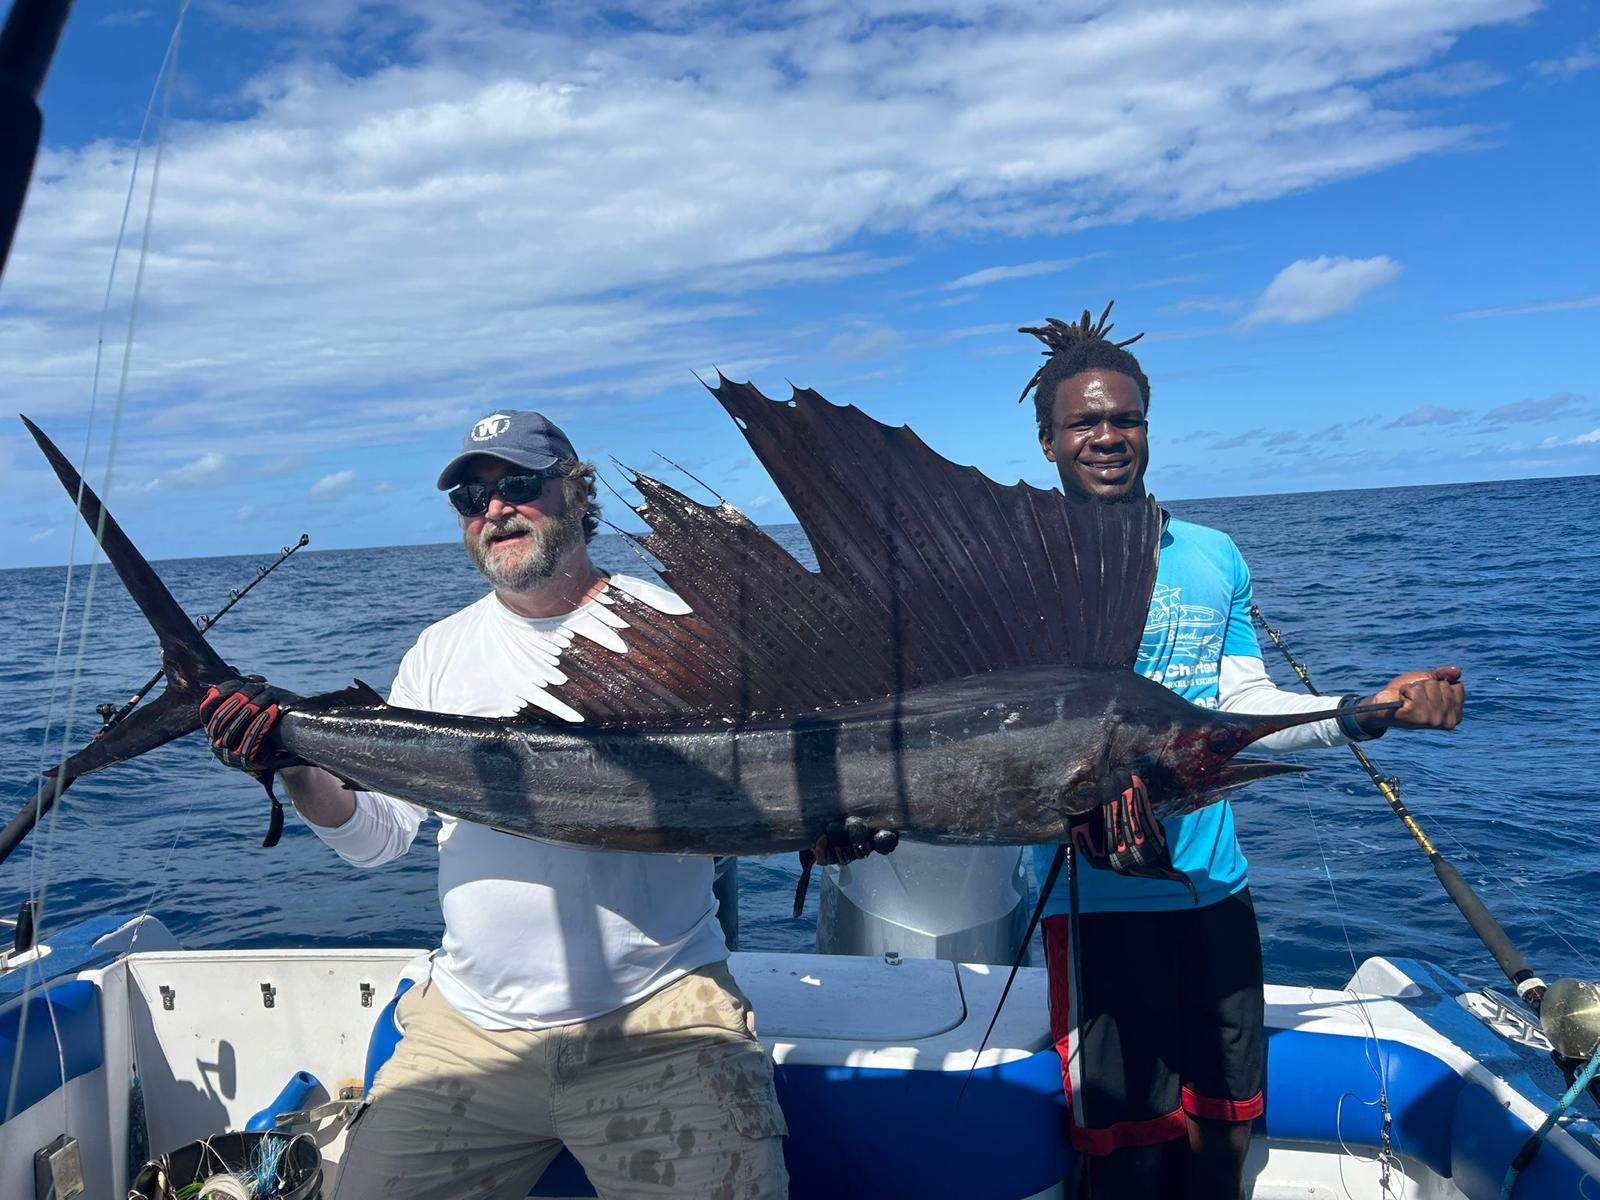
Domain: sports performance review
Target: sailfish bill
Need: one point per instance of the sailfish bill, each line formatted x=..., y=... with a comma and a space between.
x=958, y=669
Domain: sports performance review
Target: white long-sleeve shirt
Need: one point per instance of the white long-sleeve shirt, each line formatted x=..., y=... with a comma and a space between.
x=1244, y=686
x=536, y=934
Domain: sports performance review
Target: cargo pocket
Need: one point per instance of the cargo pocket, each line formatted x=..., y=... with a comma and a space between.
x=746, y=1093
x=743, y=1074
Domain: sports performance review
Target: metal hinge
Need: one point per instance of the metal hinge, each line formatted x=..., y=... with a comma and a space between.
x=1508, y=1020
x=269, y=996
x=57, y=1170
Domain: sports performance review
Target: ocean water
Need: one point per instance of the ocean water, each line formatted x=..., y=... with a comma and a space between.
x=1499, y=578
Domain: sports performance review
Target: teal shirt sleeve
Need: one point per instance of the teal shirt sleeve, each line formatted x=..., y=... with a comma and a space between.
x=1240, y=638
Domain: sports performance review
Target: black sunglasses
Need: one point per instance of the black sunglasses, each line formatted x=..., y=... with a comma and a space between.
x=472, y=499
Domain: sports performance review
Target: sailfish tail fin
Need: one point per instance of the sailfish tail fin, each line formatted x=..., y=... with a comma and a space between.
x=190, y=663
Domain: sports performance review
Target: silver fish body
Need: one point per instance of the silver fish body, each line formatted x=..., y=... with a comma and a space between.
x=1006, y=757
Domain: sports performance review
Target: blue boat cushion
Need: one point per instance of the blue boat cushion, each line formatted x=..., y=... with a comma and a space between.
x=1323, y=1087
x=1487, y=1138
x=76, y=1006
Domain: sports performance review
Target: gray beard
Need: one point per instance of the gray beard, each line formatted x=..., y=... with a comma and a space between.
x=547, y=545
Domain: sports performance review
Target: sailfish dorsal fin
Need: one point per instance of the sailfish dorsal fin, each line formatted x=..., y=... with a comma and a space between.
x=928, y=571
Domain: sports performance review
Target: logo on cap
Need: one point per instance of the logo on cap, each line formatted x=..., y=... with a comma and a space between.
x=491, y=427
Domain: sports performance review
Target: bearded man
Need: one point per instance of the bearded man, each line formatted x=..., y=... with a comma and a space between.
x=580, y=997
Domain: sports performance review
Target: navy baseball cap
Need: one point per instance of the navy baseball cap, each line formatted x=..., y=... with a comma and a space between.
x=528, y=439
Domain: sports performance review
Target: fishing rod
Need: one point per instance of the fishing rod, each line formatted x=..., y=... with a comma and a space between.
x=1568, y=1009
x=27, y=44
x=111, y=716
x=1528, y=985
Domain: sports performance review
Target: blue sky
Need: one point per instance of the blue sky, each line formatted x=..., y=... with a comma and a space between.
x=1359, y=236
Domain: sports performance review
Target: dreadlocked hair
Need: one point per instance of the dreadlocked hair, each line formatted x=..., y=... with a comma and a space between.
x=1071, y=349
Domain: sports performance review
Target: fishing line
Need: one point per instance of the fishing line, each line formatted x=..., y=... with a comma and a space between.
x=167, y=78
x=1387, y=1163
x=161, y=875
x=39, y=860
x=1499, y=881
x=94, y=392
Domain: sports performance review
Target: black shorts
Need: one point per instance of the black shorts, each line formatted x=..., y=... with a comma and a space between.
x=1157, y=1014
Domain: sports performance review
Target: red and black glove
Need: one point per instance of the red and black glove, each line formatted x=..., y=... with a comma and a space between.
x=1125, y=835
x=1134, y=837
x=1122, y=834
x=241, y=718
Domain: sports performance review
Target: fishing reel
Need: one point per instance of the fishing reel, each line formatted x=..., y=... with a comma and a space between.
x=1569, y=1015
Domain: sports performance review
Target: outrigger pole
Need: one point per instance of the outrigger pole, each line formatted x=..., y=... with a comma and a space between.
x=27, y=44
x=1568, y=1009
x=111, y=716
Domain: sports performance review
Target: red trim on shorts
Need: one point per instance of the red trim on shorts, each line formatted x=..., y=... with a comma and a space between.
x=1057, y=936
x=1131, y=1133
x=1152, y=1132
x=1209, y=1109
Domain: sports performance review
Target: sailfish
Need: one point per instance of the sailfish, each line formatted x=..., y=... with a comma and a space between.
x=958, y=668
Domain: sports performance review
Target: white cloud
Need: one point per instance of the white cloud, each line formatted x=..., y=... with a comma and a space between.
x=971, y=331
x=1592, y=438
x=1445, y=83
x=1028, y=270
x=1205, y=304
x=1311, y=288
x=1428, y=414
x=524, y=193
x=246, y=512
x=330, y=487
x=1546, y=408
x=1584, y=57
x=854, y=345
x=207, y=466
x=126, y=16
x=42, y=535
x=1169, y=281
x=504, y=199
x=1537, y=306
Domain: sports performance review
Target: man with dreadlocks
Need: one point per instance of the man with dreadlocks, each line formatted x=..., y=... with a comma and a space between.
x=1157, y=1010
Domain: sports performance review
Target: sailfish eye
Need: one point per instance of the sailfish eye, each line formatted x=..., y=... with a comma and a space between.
x=1220, y=740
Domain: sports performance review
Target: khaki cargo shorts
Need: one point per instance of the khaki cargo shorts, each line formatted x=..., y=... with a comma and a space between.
x=671, y=1096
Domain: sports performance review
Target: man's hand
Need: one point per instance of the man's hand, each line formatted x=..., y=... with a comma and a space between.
x=852, y=839
x=841, y=842
x=1427, y=699
x=241, y=717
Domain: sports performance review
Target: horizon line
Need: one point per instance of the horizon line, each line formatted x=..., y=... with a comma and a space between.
x=310, y=549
